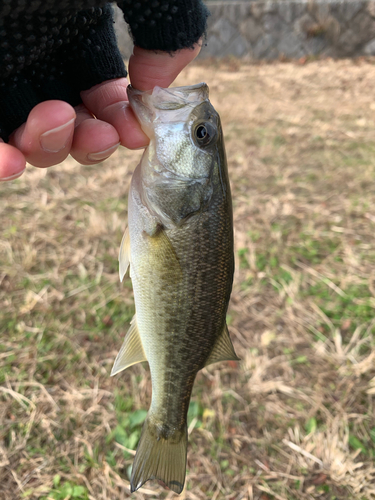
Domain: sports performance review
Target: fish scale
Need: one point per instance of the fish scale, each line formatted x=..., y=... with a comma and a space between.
x=179, y=245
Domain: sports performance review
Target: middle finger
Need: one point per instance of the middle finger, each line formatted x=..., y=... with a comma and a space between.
x=46, y=137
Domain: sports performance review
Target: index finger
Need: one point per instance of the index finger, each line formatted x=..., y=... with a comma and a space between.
x=108, y=101
x=12, y=162
x=148, y=68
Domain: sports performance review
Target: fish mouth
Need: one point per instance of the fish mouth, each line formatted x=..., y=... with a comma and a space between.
x=168, y=98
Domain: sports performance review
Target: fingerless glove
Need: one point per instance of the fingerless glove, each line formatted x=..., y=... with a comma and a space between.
x=54, y=49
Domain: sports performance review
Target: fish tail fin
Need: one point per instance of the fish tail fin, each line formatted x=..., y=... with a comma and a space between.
x=159, y=457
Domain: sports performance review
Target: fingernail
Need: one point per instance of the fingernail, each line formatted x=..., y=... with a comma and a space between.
x=102, y=155
x=56, y=139
x=12, y=177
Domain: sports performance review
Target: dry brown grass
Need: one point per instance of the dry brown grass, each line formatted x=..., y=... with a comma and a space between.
x=295, y=418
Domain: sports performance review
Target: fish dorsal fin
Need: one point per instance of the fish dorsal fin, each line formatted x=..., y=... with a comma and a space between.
x=124, y=254
x=131, y=351
x=223, y=349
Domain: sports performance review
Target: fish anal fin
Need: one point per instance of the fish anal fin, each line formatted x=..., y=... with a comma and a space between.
x=160, y=457
x=124, y=254
x=131, y=351
x=223, y=349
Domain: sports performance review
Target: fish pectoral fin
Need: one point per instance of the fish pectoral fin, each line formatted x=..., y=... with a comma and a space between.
x=223, y=350
x=124, y=254
x=131, y=351
x=165, y=260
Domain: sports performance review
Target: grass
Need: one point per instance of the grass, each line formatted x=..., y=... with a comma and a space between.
x=294, y=419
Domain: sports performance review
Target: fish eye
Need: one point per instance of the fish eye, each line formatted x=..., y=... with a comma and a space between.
x=204, y=134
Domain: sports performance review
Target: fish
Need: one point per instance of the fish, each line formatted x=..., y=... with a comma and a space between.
x=179, y=248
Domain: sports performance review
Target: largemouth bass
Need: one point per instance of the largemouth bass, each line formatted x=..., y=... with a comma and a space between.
x=179, y=245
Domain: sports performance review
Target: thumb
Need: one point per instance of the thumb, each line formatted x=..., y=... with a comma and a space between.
x=149, y=68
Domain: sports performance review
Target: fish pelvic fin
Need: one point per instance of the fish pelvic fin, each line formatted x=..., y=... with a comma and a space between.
x=223, y=349
x=160, y=457
x=131, y=351
x=124, y=254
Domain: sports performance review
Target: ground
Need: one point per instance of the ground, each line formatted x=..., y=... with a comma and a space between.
x=294, y=419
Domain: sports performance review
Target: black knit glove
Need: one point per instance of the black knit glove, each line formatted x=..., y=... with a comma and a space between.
x=52, y=56
x=52, y=49
x=166, y=25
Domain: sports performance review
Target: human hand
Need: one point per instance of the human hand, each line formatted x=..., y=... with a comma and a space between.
x=92, y=131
